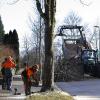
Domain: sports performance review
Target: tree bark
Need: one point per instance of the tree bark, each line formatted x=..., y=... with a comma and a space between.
x=49, y=20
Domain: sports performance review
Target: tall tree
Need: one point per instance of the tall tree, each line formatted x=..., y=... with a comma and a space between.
x=37, y=28
x=15, y=37
x=74, y=19
x=1, y=30
x=26, y=47
x=15, y=45
x=5, y=39
x=10, y=40
x=48, y=14
x=49, y=19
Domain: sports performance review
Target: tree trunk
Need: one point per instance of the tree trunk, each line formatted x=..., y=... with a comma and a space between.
x=48, y=64
x=49, y=20
x=48, y=70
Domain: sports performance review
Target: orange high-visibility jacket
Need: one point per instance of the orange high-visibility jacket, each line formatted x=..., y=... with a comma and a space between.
x=8, y=64
x=30, y=72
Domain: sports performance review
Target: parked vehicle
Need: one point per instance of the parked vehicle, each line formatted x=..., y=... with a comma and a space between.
x=79, y=57
x=89, y=59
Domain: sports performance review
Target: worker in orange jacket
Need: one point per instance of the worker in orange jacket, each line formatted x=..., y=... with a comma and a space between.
x=8, y=65
x=27, y=74
x=3, y=75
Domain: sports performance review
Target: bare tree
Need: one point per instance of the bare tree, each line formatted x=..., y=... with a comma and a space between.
x=74, y=19
x=26, y=46
x=49, y=20
x=48, y=15
x=86, y=2
x=37, y=28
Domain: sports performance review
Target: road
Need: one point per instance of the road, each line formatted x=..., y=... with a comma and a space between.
x=82, y=90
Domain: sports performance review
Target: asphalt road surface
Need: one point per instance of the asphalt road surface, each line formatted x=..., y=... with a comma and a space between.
x=82, y=90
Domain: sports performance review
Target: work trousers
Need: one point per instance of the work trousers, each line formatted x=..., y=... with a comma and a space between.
x=4, y=85
x=27, y=86
x=8, y=78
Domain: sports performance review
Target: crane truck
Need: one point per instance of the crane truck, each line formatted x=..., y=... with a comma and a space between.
x=78, y=53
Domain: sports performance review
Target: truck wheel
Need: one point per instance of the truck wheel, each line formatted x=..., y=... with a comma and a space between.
x=98, y=70
x=94, y=71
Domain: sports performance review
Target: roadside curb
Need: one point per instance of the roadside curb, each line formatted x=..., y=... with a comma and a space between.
x=60, y=90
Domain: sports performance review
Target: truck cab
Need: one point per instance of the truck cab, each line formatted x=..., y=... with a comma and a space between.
x=89, y=60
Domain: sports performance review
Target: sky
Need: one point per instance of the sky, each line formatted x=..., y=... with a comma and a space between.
x=16, y=16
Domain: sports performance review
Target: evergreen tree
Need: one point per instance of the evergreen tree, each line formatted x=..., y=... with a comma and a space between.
x=15, y=37
x=10, y=40
x=6, y=39
x=1, y=30
x=15, y=43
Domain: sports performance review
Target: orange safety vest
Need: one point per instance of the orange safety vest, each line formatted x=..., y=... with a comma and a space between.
x=29, y=72
x=8, y=64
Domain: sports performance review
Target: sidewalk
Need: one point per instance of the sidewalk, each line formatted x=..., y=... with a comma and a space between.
x=6, y=95
x=16, y=83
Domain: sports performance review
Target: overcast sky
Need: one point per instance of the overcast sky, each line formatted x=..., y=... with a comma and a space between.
x=16, y=16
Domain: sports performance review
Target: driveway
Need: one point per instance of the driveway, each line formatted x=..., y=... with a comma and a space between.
x=82, y=90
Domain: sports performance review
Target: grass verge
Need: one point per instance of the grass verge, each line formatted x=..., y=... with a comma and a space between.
x=55, y=95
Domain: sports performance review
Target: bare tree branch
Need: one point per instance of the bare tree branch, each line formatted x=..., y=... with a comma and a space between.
x=38, y=4
x=13, y=2
x=82, y=2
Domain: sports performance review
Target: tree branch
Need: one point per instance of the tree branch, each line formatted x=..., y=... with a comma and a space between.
x=85, y=3
x=38, y=4
x=13, y=2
